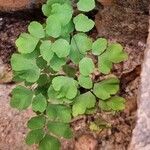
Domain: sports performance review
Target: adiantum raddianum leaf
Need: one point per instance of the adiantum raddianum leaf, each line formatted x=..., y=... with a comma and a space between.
x=82, y=103
x=85, y=82
x=63, y=12
x=86, y=5
x=83, y=23
x=114, y=103
x=36, y=122
x=49, y=143
x=61, y=15
x=34, y=136
x=60, y=129
x=58, y=113
x=78, y=50
x=66, y=86
x=53, y=26
x=113, y=54
x=106, y=88
x=45, y=50
x=99, y=46
x=86, y=66
x=61, y=48
x=25, y=67
x=36, y=29
x=67, y=29
x=47, y=8
x=56, y=63
x=39, y=103
x=26, y=43
x=51, y=2
x=21, y=98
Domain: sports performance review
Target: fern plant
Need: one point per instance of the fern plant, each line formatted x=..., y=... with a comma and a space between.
x=55, y=65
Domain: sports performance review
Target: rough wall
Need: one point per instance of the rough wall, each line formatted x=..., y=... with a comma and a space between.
x=13, y=5
x=141, y=133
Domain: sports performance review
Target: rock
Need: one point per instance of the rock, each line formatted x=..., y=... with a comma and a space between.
x=86, y=142
x=13, y=5
x=13, y=123
x=115, y=24
x=141, y=133
x=106, y=2
x=5, y=73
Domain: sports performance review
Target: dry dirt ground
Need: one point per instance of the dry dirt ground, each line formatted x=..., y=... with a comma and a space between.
x=131, y=32
x=12, y=123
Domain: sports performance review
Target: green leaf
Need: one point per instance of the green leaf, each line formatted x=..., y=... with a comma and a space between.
x=70, y=71
x=52, y=94
x=91, y=111
x=49, y=143
x=63, y=12
x=56, y=63
x=42, y=90
x=83, y=102
x=99, y=46
x=86, y=66
x=67, y=87
x=78, y=49
x=75, y=55
x=37, y=122
x=45, y=50
x=46, y=9
x=34, y=136
x=99, y=124
x=55, y=97
x=104, y=64
x=115, y=103
x=83, y=23
x=44, y=79
x=78, y=40
x=41, y=63
x=106, y=88
x=53, y=26
x=26, y=43
x=61, y=47
x=116, y=53
x=36, y=29
x=103, y=105
x=59, y=113
x=85, y=82
x=39, y=103
x=67, y=29
x=86, y=5
x=21, y=98
x=60, y=129
x=94, y=127
x=26, y=68
x=113, y=54
x=51, y=2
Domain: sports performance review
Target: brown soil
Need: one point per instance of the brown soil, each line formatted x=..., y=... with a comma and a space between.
x=132, y=33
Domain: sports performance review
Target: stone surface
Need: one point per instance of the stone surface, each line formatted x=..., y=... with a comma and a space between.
x=141, y=133
x=106, y=2
x=13, y=5
x=86, y=142
x=5, y=73
x=13, y=127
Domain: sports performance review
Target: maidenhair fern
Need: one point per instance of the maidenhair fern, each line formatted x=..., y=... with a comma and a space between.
x=55, y=64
